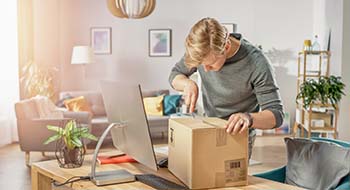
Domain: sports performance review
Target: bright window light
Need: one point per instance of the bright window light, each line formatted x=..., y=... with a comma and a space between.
x=9, y=84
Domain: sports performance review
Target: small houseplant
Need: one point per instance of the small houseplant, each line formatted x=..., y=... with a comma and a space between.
x=70, y=149
x=325, y=90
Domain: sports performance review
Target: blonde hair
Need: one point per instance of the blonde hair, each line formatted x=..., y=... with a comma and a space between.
x=205, y=36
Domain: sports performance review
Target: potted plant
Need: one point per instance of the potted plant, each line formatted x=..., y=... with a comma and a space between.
x=70, y=149
x=325, y=90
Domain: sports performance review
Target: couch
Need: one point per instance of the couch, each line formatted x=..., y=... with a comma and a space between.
x=158, y=124
x=32, y=119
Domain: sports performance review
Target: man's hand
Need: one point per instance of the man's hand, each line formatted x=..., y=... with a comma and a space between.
x=237, y=123
x=191, y=95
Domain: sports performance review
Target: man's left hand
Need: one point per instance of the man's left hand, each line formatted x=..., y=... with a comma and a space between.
x=237, y=123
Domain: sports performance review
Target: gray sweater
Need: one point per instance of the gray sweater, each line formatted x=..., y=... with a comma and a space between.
x=245, y=83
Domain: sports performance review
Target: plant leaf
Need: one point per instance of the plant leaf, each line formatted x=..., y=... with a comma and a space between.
x=69, y=143
x=59, y=130
x=53, y=138
x=79, y=130
x=89, y=136
x=77, y=142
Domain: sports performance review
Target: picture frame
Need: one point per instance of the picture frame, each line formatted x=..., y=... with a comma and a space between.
x=231, y=27
x=100, y=40
x=159, y=42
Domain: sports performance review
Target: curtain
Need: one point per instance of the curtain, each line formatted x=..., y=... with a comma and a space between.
x=9, y=83
x=16, y=48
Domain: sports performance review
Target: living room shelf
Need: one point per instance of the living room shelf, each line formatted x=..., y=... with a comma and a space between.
x=314, y=53
x=329, y=117
x=325, y=112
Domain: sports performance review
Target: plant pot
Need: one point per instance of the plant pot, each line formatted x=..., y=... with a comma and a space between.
x=70, y=155
x=69, y=158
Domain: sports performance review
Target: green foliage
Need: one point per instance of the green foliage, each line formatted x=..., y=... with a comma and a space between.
x=71, y=134
x=325, y=90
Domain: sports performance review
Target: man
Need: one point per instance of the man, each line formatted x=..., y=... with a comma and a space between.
x=237, y=80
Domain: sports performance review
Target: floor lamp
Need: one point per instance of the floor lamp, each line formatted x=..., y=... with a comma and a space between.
x=82, y=55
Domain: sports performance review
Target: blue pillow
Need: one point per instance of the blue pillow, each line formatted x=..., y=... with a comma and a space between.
x=170, y=103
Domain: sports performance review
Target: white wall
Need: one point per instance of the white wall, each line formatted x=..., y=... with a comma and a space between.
x=328, y=16
x=61, y=24
x=129, y=60
x=270, y=23
x=283, y=26
x=335, y=15
x=344, y=120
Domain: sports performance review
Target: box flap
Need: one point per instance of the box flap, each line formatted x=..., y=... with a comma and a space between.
x=201, y=122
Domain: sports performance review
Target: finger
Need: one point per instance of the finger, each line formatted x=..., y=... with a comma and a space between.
x=193, y=103
x=238, y=126
x=187, y=100
x=245, y=127
x=229, y=120
x=232, y=123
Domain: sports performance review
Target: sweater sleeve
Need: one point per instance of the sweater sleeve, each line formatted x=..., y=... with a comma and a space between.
x=180, y=68
x=266, y=89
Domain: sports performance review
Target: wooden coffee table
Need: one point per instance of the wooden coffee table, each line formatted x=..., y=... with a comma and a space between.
x=43, y=173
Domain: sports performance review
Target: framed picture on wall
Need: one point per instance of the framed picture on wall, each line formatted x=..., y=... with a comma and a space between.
x=101, y=40
x=231, y=27
x=159, y=42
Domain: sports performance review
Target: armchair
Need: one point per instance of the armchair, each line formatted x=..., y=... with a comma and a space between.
x=32, y=131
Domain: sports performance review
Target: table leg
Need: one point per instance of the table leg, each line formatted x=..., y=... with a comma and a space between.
x=40, y=181
x=34, y=176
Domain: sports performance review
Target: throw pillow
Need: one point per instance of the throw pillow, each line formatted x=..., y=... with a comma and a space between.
x=171, y=102
x=60, y=102
x=316, y=164
x=154, y=105
x=77, y=104
x=46, y=108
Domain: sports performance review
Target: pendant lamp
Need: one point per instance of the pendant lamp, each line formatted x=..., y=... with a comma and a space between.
x=132, y=9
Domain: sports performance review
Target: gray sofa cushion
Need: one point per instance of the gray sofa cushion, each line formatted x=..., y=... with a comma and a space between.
x=316, y=164
x=94, y=99
x=152, y=93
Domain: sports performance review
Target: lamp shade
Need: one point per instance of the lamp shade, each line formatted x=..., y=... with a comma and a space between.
x=133, y=9
x=82, y=55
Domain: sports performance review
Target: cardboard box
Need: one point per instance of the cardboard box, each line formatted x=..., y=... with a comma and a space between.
x=317, y=122
x=319, y=116
x=203, y=155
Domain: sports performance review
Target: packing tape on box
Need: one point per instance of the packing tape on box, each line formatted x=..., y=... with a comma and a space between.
x=221, y=137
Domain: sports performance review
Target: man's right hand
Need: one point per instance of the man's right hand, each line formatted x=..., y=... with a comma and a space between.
x=191, y=94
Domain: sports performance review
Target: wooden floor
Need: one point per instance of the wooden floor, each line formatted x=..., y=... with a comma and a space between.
x=15, y=175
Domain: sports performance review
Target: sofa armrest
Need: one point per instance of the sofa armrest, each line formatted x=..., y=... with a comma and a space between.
x=278, y=174
x=32, y=133
x=344, y=183
x=81, y=117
